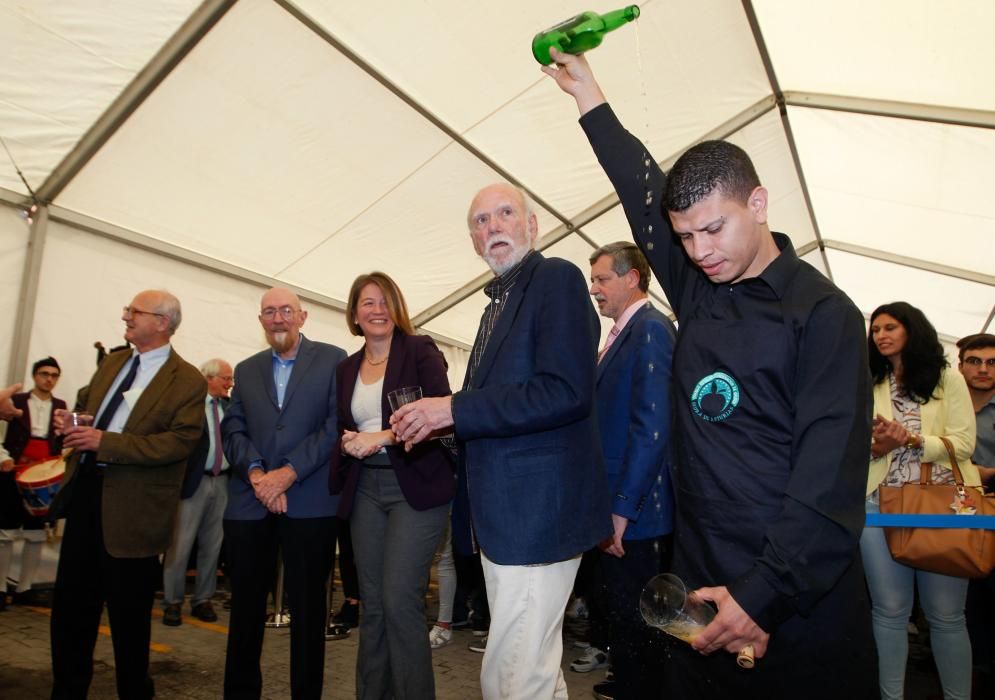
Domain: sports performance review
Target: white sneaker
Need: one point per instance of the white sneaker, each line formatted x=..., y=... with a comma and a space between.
x=593, y=659
x=439, y=637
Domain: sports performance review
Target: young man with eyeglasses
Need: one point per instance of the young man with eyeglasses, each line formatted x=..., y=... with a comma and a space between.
x=977, y=364
x=29, y=439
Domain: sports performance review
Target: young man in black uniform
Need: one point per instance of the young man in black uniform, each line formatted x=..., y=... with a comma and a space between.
x=772, y=409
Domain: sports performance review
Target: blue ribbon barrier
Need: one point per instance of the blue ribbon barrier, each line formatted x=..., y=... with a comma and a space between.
x=973, y=522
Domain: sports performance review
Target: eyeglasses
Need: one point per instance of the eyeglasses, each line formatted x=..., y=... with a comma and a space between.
x=977, y=361
x=223, y=377
x=270, y=312
x=130, y=311
x=48, y=375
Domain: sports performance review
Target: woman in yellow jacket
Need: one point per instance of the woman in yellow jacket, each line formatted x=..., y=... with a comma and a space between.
x=917, y=399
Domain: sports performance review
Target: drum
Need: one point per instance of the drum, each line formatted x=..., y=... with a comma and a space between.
x=39, y=483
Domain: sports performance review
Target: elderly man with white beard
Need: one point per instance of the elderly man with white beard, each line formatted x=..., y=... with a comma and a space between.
x=531, y=474
x=278, y=435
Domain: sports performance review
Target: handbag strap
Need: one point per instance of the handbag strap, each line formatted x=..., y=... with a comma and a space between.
x=925, y=472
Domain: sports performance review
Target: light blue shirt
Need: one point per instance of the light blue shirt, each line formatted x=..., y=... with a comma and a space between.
x=281, y=376
x=282, y=370
x=149, y=364
x=214, y=439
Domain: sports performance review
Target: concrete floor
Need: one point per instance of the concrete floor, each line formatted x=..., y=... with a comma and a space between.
x=187, y=662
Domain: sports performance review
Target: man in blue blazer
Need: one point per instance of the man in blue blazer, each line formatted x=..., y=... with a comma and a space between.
x=633, y=402
x=278, y=435
x=530, y=458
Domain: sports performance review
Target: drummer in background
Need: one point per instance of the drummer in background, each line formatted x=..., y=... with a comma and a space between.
x=29, y=439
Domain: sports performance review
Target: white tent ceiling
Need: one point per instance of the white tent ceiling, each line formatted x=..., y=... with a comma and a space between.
x=309, y=141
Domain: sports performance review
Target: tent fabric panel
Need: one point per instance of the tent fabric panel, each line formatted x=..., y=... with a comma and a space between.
x=219, y=313
x=955, y=307
x=417, y=233
x=248, y=151
x=920, y=189
x=461, y=320
x=14, y=236
x=653, y=78
x=63, y=64
x=916, y=51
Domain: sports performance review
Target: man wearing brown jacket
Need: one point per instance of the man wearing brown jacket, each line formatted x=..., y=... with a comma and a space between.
x=120, y=495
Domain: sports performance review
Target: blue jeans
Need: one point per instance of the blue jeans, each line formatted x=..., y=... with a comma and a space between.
x=942, y=598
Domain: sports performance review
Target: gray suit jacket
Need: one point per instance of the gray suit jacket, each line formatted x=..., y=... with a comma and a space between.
x=302, y=432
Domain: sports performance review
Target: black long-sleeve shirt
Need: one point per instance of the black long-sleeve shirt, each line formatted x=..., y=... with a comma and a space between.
x=772, y=408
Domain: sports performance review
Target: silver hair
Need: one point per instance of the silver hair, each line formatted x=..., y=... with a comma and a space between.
x=530, y=209
x=212, y=368
x=169, y=306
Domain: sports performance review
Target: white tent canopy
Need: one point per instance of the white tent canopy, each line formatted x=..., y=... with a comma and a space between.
x=216, y=148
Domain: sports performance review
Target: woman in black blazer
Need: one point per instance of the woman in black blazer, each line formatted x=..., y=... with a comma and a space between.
x=397, y=502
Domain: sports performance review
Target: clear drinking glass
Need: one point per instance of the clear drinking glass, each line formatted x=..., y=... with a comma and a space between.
x=404, y=395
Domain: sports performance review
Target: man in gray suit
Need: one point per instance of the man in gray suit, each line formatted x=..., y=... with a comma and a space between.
x=278, y=436
x=204, y=497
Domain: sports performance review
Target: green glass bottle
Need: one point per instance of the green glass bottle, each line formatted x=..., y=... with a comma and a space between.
x=581, y=33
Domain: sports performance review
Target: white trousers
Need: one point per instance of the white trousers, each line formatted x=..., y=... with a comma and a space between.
x=525, y=640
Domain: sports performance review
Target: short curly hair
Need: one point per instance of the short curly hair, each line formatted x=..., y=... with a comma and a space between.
x=708, y=166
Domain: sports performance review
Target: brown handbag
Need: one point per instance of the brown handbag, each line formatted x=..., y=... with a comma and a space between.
x=966, y=552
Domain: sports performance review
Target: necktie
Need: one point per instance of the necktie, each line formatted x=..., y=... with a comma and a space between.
x=612, y=334
x=115, y=401
x=216, y=467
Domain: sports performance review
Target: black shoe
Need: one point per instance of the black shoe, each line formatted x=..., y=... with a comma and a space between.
x=604, y=691
x=227, y=603
x=479, y=624
x=479, y=646
x=335, y=631
x=348, y=615
x=171, y=616
x=204, y=612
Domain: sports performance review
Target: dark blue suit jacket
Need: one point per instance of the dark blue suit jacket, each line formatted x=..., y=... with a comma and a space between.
x=530, y=457
x=197, y=462
x=302, y=433
x=425, y=474
x=633, y=398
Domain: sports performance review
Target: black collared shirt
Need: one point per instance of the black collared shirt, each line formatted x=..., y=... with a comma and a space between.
x=772, y=409
x=497, y=289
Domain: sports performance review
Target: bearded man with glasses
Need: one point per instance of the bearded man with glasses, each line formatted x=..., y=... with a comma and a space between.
x=278, y=435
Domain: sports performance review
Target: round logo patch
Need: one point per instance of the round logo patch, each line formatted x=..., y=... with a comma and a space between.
x=715, y=397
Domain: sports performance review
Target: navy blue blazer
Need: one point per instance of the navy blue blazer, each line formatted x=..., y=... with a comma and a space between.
x=530, y=456
x=633, y=398
x=425, y=474
x=302, y=433
x=197, y=463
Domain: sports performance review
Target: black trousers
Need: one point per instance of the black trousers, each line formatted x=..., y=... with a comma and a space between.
x=347, y=563
x=637, y=659
x=307, y=546
x=86, y=579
